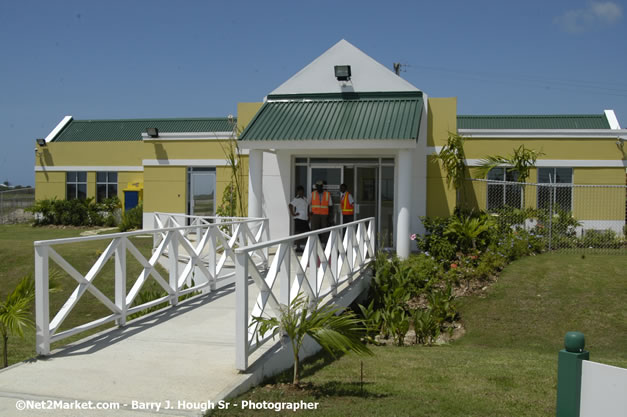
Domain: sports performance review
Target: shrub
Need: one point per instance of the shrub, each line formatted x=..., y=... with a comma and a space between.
x=76, y=212
x=600, y=239
x=132, y=219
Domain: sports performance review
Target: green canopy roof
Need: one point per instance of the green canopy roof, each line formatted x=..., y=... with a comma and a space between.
x=564, y=121
x=378, y=116
x=132, y=129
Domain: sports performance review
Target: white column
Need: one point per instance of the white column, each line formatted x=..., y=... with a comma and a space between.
x=255, y=183
x=403, y=212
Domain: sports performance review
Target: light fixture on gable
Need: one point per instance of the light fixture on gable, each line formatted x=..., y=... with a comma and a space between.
x=153, y=132
x=343, y=72
x=41, y=142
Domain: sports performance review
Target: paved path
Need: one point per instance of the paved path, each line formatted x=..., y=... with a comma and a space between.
x=186, y=353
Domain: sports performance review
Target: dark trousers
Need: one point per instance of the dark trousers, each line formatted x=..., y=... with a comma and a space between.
x=301, y=226
x=348, y=218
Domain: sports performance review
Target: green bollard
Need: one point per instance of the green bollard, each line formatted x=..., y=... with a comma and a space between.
x=569, y=374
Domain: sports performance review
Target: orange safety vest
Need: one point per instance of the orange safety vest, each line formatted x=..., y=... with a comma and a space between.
x=347, y=207
x=317, y=206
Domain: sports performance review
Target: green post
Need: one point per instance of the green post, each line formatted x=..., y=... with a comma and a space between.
x=569, y=374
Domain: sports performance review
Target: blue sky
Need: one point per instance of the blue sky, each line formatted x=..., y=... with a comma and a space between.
x=136, y=59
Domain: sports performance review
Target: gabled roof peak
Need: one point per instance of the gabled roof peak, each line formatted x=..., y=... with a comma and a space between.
x=367, y=75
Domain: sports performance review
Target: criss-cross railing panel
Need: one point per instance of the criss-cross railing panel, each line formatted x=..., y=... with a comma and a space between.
x=331, y=259
x=195, y=257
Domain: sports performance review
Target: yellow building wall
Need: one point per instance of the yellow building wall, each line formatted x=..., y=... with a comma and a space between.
x=245, y=113
x=49, y=185
x=165, y=189
x=585, y=149
x=90, y=154
x=599, y=203
x=442, y=119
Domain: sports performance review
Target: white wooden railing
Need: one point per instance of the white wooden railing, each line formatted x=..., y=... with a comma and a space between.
x=197, y=257
x=320, y=273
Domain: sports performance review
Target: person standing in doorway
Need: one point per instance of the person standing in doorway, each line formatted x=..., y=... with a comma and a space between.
x=298, y=210
x=347, y=204
x=320, y=203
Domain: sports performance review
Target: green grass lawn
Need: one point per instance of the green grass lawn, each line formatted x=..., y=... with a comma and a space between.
x=505, y=365
x=17, y=260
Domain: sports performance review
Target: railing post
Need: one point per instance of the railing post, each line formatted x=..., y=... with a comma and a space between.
x=173, y=254
x=42, y=301
x=212, y=229
x=569, y=374
x=241, y=311
x=314, y=264
x=266, y=253
x=335, y=270
x=120, y=280
x=286, y=271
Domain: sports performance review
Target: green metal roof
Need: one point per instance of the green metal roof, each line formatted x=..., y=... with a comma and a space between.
x=564, y=121
x=337, y=116
x=132, y=129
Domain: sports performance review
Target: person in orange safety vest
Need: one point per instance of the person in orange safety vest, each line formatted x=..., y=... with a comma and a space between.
x=347, y=204
x=320, y=204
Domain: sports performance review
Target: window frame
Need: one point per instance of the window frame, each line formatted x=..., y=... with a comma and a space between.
x=554, y=195
x=107, y=183
x=505, y=186
x=77, y=182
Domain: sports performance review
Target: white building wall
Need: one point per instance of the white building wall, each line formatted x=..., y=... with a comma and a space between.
x=277, y=173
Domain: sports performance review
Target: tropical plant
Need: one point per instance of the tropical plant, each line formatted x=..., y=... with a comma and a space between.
x=520, y=162
x=331, y=330
x=15, y=315
x=453, y=159
x=467, y=231
x=233, y=199
x=426, y=327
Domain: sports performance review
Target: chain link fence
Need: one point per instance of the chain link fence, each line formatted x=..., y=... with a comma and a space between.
x=13, y=204
x=566, y=216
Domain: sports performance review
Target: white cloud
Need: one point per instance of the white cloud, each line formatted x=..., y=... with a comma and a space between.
x=598, y=13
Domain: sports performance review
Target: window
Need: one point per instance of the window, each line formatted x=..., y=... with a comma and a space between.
x=106, y=185
x=506, y=194
x=76, y=185
x=555, y=197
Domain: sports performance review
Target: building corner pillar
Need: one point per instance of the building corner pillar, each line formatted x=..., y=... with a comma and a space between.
x=403, y=219
x=255, y=183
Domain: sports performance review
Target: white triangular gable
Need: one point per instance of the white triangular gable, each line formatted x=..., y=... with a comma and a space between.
x=367, y=74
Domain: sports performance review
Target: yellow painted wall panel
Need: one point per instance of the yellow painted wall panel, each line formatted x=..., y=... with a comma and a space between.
x=579, y=149
x=165, y=189
x=606, y=176
x=91, y=184
x=49, y=185
x=185, y=149
x=90, y=154
x=440, y=198
x=245, y=113
x=442, y=119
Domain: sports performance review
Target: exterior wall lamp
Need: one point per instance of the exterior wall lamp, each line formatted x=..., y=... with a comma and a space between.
x=41, y=142
x=343, y=72
x=153, y=132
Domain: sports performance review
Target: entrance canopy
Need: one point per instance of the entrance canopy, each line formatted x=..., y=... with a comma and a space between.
x=343, y=116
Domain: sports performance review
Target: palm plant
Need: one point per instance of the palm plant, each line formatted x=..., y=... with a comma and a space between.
x=332, y=331
x=467, y=230
x=15, y=315
x=453, y=159
x=520, y=162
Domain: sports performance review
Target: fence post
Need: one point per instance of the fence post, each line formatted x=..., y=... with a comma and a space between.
x=120, y=280
x=241, y=311
x=173, y=254
x=42, y=303
x=569, y=374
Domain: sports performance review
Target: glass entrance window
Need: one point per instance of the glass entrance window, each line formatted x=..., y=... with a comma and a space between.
x=201, y=195
x=369, y=180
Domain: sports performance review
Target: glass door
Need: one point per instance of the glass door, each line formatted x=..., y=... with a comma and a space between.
x=365, y=192
x=201, y=191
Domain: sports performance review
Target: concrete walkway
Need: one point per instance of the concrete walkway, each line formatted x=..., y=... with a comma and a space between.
x=182, y=354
